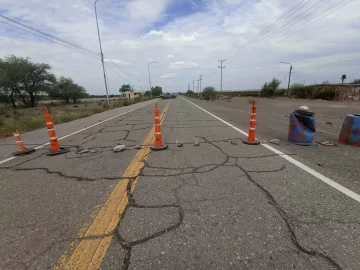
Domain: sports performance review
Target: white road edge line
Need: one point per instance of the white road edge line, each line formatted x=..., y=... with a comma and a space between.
x=73, y=133
x=302, y=166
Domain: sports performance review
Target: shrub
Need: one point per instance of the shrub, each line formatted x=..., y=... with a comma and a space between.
x=209, y=93
x=105, y=106
x=7, y=115
x=251, y=100
x=280, y=92
x=125, y=102
x=269, y=88
x=2, y=122
x=97, y=110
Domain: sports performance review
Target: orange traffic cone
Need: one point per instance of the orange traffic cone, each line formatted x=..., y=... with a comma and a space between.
x=251, y=137
x=158, y=138
x=22, y=149
x=55, y=148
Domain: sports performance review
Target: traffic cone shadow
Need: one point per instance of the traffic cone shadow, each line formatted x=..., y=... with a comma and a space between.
x=159, y=145
x=22, y=150
x=55, y=148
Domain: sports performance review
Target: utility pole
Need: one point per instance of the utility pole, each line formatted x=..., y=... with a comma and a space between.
x=149, y=77
x=200, y=83
x=188, y=86
x=197, y=87
x=102, y=56
x=221, y=67
x=288, y=90
x=193, y=85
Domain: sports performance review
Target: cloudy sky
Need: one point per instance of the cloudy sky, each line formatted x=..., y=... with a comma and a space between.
x=187, y=38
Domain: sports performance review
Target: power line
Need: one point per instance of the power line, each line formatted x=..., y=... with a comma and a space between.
x=96, y=56
x=287, y=26
x=327, y=12
x=286, y=15
x=46, y=34
x=107, y=64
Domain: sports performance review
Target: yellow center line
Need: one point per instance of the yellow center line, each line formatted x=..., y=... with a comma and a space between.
x=91, y=250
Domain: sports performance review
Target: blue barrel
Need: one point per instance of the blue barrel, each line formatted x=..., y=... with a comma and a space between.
x=302, y=128
x=350, y=131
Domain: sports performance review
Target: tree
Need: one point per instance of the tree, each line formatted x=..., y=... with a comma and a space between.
x=343, y=78
x=269, y=88
x=147, y=94
x=156, y=91
x=209, y=93
x=189, y=92
x=24, y=78
x=356, y=81
x=65, y=89
x=124, y=88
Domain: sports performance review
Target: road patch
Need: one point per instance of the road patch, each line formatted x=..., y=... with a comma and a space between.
x=300, y=165
x=92, y=246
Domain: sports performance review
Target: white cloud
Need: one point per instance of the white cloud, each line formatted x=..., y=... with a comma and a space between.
x=166, y=76
x=172, y=38
x=182, y=64
x=217, y=31
x=116, y=61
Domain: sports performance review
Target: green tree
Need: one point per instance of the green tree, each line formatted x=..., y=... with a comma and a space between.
x=356, y=81
x=269, y=88
x=209, y=93
x=124, y=88
x=343, y=78
x=156, y=91
x=189, y=92
x=65, y=89
x=147, y=94
x=25, y=78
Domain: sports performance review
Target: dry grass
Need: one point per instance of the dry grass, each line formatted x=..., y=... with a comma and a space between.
x=27, y=119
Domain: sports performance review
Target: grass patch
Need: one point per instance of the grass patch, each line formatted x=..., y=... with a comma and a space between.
x=27, y=119
x=251, y=100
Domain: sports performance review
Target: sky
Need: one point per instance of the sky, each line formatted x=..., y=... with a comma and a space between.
x=186, y=38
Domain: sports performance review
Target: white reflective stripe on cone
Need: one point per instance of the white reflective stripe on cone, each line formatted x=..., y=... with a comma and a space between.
x=251, y=128
x=157, y=133
x=50, y=129
x=16, y=135
x=53, y=138
x=157, y=117
x=49, y=123
x=252, y=120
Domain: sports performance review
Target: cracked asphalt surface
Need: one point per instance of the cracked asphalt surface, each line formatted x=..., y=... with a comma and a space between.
x=219, y=205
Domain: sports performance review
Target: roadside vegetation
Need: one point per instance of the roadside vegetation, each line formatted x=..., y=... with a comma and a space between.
x=24, y=83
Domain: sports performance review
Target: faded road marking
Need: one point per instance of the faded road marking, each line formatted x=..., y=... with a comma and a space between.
x=298, y=164
x=90, y=252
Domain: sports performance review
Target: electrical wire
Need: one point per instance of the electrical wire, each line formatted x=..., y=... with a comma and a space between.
x=107, y=64
x=327, y=12
x=286, y=15
x=287, y=26
x=96, y=56
x=46, y=34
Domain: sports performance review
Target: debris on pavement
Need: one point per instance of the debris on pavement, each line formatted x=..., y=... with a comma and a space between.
x=137, y=146
x=329, y=123
x=196, y=143
x=119, y=148
x=234, y=142
x=275, y=141
x=84, y=151
x=325, y=143
x=179, y=144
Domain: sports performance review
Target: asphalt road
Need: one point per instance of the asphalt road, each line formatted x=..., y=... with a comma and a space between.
x=219, y=205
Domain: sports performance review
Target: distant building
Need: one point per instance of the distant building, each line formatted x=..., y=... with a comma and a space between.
x=131, y=94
